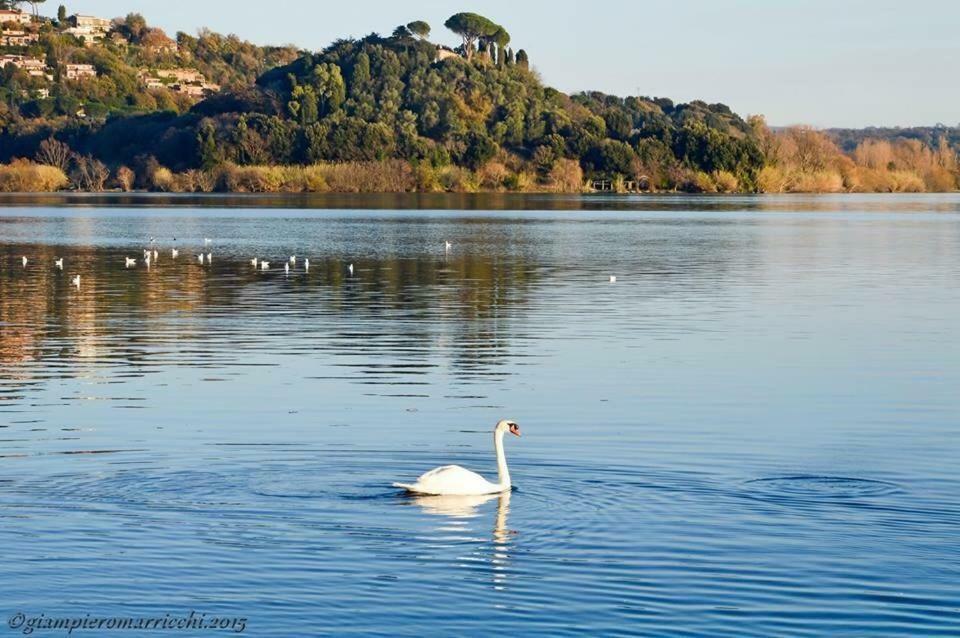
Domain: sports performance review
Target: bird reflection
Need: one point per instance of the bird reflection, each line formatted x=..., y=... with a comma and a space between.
x=466, y=507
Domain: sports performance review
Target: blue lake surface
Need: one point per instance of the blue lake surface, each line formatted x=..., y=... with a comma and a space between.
x=754, y=432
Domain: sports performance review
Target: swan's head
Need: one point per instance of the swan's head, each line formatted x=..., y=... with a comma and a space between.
x=508, y=426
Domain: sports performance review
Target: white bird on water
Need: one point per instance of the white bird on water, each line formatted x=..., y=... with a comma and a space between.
x=24, y=261
x=613, y=279
x=174, y=253
x=447, y=245
x=306, y=265
x=156, y=255
x=59, y=263
x=76, y=281
x=209, y=258
x=128, y=262
x=286, y=269
x=253, y=262
x=293, y=259
x=264, y=265
x=200, y=258
x=350, y=268
x=457, y=481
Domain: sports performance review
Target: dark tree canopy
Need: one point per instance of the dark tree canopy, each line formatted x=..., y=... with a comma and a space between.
x=420, y=29
x=471, y=27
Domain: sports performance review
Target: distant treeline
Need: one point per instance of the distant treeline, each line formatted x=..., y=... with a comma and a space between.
x=399, y=113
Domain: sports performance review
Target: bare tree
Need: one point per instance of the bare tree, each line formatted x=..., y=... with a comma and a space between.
x=89, y=174
x=53, y=152
x=125, y=178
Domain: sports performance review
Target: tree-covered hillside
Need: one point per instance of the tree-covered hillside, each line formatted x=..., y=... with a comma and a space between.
x=474, y=117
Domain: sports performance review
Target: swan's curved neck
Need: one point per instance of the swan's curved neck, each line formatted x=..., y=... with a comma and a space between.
x=502, y=469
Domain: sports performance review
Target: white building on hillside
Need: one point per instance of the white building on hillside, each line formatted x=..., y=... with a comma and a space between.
x=17, y=17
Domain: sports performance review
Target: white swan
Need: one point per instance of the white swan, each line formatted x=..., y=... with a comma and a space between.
x=455, y=480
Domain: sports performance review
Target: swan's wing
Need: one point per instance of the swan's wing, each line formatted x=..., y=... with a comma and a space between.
x=451, y=479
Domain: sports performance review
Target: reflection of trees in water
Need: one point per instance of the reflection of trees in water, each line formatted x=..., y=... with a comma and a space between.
x=404, y=311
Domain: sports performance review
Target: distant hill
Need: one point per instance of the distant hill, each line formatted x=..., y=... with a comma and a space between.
x=850, y=138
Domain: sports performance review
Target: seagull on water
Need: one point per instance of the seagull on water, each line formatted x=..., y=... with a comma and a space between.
x=174, y=253
x=447, y=245
x=59, y=263
x=613, y=279
x=200, y=258
x=306, y=265
x=286, y=269
x=350, y=268
x=264, y=265
x=24, y=260
x=209, y=258
x=293, y=259
x=129, y=262
x=253, y=262
x=76, y=281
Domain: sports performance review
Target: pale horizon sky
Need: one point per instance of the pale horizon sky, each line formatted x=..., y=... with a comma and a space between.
x=851, y=63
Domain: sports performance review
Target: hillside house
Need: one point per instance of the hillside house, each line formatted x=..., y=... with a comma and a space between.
x=200, y=90
x=158, y=42
x=79, y=71
x=16, y=17
x=93, y=23
x=88, y=35
x=183, y=76
x=18, y=38
x=90, y=29
x=444, y=53
x=33, y=66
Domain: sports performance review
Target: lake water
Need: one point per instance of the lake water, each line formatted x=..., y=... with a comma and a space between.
x=754, y=432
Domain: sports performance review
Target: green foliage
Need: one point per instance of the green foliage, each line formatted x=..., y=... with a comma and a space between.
x=370, y=100
x=471, y=27
x=420, y=29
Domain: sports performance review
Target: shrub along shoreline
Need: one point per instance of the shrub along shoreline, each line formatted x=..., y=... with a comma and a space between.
x=798, y=160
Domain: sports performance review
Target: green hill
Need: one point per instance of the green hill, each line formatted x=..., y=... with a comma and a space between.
x=474, y=118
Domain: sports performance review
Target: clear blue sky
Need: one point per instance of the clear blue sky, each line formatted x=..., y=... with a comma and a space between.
x=820, y=62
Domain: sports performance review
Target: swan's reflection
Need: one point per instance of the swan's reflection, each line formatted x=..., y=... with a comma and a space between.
x=466, y=507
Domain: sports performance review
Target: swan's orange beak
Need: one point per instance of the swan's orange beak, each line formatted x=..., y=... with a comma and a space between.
x=514, y=429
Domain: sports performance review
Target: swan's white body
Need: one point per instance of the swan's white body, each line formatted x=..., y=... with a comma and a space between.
x=454, y=480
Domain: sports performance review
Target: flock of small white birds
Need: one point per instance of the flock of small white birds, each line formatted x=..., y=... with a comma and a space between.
x=152, y=255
